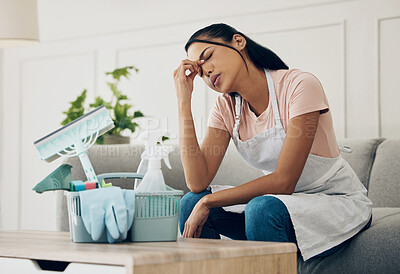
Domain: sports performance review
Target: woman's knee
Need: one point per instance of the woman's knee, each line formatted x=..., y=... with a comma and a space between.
x=264, y=206
x=187, y=203
x=190, y=199
x=263, y=215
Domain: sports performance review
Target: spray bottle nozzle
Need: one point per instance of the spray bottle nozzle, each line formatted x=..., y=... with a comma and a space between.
x=152, y=150
x=153, y=180
x=151, y=137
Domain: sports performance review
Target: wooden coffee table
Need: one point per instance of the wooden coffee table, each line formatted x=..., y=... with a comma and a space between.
x=23, y=251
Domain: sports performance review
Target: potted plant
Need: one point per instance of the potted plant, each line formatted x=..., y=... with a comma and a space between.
x=120, y=110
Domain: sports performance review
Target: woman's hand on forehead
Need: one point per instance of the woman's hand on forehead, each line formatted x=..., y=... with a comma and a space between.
x=183, y=78
x=192, y=67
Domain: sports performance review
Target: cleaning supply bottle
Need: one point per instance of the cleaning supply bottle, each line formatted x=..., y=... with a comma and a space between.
x=142, y=169
x=153, y=180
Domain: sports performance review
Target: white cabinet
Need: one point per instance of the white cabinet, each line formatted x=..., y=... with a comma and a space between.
x=26, y=266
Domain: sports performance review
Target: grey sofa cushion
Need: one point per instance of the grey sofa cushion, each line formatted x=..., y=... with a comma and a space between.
x=375, y=250
x=362, y=157
x=107, y=158
x=62, y=222
x=384, y=187
x=233, y=171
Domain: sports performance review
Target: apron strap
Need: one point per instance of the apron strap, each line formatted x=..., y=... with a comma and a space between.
x=238, y=111
x=272, y=96
x=238, y=106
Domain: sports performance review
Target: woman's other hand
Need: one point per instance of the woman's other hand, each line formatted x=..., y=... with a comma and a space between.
x=183, y=82
x=196, y=220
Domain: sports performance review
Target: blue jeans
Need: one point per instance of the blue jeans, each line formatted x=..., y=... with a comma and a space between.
x=265, y=219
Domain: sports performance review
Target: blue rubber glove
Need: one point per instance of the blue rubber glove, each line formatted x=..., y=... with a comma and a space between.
x=129, y=197
x=104, y=208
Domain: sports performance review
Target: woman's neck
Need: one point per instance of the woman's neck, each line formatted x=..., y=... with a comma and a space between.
x=255, y=90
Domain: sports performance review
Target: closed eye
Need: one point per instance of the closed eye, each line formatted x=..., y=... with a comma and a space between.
x=205, y=60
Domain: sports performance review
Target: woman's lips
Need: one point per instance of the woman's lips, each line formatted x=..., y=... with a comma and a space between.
x=215, y=79
x=216, y=82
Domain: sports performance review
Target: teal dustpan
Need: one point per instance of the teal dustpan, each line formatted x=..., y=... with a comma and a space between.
x=58, y=179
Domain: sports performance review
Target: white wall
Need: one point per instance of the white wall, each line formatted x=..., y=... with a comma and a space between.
x=351, y=46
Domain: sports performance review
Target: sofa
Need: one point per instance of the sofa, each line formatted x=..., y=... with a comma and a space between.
x=376, y=161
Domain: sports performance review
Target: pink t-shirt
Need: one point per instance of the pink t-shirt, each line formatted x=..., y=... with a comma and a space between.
x=297, y=93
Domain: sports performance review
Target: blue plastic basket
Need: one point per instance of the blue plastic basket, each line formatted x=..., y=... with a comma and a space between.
x=156, y=214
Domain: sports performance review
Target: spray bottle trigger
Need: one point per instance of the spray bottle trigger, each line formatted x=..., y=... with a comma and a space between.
x=167, y=163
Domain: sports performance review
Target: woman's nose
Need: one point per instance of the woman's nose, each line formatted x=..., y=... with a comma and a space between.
x=207, y=69
x=208, y=72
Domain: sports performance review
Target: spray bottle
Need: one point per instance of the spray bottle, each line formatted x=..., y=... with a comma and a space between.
x=153, y=180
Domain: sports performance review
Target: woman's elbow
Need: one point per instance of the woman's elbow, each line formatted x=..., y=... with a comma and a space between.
x=287, y=185
x=290, y=185
x=196, y=187
x=289, y=189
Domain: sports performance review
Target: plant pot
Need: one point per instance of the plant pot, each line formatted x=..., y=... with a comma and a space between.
x=116, y=139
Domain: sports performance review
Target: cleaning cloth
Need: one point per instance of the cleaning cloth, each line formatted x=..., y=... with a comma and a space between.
x=108, y=208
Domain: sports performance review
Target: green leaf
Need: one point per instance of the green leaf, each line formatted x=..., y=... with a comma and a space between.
x=118, y=94
x=118, y=112
x=132, y=126
x=126, y=108
x=117, y=109
x=79, y=101
x=76, y=109
x=163, y=138
x=100, y=140
x=137, y=114
x=113, y=87
x=122, y=97
x=119, y=72
x=100, y=102
x=121, y=111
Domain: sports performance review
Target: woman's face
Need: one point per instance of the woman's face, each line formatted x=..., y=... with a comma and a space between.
x=222, y=67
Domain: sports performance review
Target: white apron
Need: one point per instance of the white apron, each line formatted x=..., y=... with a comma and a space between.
x=329, y=204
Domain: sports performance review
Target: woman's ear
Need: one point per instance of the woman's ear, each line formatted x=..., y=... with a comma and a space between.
x=239, y=41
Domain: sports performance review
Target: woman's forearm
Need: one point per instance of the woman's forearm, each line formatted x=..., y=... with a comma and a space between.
x=193, y=162
x=268, y=184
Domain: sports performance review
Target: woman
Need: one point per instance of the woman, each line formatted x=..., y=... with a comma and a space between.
x=280, y=123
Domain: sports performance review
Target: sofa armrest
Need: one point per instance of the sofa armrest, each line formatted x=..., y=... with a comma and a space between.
x=361, y=159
